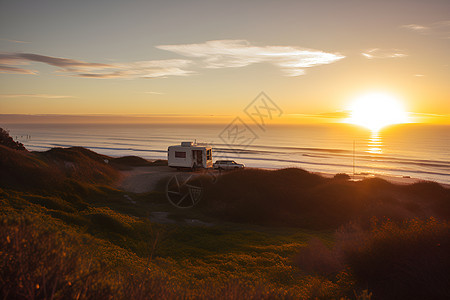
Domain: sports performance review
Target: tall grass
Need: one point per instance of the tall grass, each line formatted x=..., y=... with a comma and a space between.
x=41, y=262
x=408, y=260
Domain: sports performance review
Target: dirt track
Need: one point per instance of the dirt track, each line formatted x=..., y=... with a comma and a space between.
x=144, y=179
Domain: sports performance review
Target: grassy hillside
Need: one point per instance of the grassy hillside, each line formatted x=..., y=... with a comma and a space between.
x=55, y=169
x=66, y=232
x=294, y=197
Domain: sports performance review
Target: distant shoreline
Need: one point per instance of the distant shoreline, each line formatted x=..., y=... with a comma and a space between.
x=414, y=151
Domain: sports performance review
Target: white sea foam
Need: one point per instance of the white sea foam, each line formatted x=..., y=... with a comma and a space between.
x=408, y=150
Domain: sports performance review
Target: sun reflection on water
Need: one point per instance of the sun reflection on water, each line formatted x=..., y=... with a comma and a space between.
x=375, y=144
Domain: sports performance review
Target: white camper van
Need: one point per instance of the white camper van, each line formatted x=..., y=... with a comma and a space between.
x=189, y=155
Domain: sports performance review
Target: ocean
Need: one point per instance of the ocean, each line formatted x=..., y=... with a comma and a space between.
x=418, y=151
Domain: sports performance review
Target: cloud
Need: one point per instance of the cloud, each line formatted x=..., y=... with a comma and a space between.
x=212, y=54
x=14, y=41
x=326, y=115
x=69, y=65
x=239, y=53
x=142, y=69
x=383, y=53
x=440, y=29
x=154, y=93
x=16, y=70
x=334, y=115
x=46, y=96
x=11, y=59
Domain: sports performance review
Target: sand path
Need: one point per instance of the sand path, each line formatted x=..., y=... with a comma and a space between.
x=144, y=179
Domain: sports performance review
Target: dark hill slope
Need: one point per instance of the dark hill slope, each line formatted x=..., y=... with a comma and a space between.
x=294, y=197
x=53, y=169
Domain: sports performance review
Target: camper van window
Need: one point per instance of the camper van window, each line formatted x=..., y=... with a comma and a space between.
x=180, y=154
x=208, y=154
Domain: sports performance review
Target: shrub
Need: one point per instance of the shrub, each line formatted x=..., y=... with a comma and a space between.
x=431, y=196
x=7, y=141
x=159, y=162
x=261, y=196
x=406, y=261
x=41, y=263
x=317, y=258
x=108, y=223
x=341, y=176
x=70, y=218
x=294, y=197
x=50, y=203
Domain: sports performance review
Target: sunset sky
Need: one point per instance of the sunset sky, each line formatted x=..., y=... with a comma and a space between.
x=211, y=58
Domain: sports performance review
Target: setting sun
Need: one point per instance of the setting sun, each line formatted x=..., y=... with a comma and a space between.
x=376, y=110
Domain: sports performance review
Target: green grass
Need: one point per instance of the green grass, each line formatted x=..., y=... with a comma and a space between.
x=270, y=235
x=200, y=261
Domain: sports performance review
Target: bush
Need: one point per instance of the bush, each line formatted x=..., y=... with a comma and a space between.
x=317, y=258
x=261, y=196
x=7, y=141
x=108, y=223
x=40, y=263
x=295, y=197
x=50, y=203
x=341, y=176
x=406, y=261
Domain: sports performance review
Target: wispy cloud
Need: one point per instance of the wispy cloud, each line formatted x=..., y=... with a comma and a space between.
x=383, y=53
x=429, y=117
x=14, y=41
x=240, y=53
x=144, y=69
x=46, y=96
x=334, y=115
x=16, y=70
x=212, y=54
x=439, y=29
x=154, y=93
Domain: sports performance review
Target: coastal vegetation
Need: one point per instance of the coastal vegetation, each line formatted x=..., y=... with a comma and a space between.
x=67, y=232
